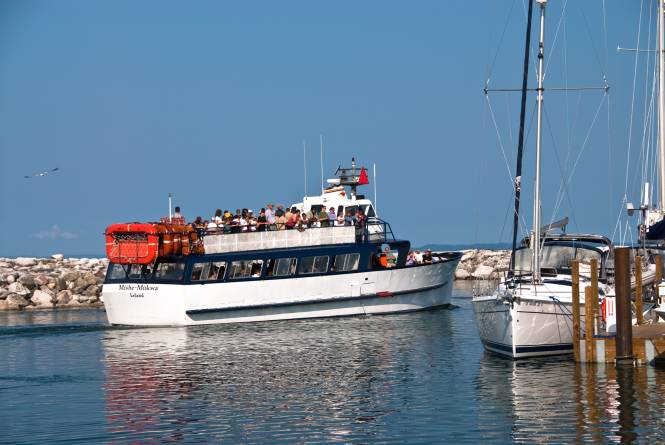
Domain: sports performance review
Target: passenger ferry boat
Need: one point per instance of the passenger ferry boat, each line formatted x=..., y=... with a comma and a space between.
x=166, y=274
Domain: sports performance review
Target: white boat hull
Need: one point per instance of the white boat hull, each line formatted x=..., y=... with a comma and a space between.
x=363, y=293
x=533, y=324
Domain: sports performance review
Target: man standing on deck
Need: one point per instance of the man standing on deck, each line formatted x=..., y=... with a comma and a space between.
x=270, y=217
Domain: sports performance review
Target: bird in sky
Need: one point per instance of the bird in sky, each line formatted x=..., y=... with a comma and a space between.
x=44, y=173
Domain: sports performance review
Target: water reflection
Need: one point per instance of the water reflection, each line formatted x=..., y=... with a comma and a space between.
x=552, y=400
x=322, y=380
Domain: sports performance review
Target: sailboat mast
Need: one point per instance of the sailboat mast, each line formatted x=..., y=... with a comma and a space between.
x=661, y=106
x=536, y=190
x=520, y=143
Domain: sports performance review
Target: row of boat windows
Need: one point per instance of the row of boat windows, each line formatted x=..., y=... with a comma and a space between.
x=254, y=268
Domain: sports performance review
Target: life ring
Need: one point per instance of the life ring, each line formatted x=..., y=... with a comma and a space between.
x=603, y=310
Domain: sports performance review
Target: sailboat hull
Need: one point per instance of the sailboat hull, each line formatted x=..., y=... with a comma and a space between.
x=527, y=323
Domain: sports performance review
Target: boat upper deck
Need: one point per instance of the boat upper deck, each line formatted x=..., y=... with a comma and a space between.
x=376, y=231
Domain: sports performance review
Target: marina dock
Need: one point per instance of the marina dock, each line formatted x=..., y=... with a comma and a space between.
x=640, y=344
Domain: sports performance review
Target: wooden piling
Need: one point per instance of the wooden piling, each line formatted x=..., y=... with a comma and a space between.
x=638, y=290
x=575, y=269
x=588, y=323
x=594, y=291
x=659, y=276
x=624, y=335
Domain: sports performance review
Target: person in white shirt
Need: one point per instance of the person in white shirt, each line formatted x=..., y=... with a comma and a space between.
x=270, y=217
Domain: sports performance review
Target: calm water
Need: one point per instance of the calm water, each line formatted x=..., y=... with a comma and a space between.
x=65, y=377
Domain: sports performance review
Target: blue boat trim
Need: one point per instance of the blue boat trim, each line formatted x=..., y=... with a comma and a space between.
x=562, y=347
x=380, y=295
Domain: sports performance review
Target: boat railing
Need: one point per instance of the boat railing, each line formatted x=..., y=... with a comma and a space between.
x=374, y=230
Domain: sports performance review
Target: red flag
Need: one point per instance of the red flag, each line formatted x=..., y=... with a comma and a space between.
x=363, y=180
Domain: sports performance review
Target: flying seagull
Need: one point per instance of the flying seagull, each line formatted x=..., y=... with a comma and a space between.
x=39, y=175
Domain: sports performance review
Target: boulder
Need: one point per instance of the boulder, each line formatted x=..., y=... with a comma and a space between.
x=10, y=278
x=42, y=299
x=483, y=272
x=81, y=298
x=15, y=302
x=63, y=297
x=27, y=280
x=18, y=288
x=92, y=290
x=462, y=274
x=60, y=284
x=41, y=280
x=90, y=279
x=25, y=261
x=71, y=276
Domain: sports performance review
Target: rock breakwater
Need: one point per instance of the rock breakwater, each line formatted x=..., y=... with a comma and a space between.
x=482, y=264
x=40, y=283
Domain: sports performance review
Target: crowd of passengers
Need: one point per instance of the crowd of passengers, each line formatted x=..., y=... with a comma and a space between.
x=244, y=220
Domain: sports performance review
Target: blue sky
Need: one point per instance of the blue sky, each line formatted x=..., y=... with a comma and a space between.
x=211, y=101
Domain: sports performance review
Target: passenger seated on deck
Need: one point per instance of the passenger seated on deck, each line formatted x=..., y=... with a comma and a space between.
x=293, y=220
x=262, y=221
x=418, y=257
x=427, y=257
x=410, y=259
x=280, y=221
x=177, y=217
x=340, y=220
x=198, y=223
x=332, y=216
x=216, y=220
x=323, y=218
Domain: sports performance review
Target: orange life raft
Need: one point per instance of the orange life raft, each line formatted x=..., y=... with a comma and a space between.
x=142, y=243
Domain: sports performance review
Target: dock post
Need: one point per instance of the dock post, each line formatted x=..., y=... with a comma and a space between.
x=589, y=305
x=575, y=269
x=659, y=276
x=624, y=336
x=596, y=294
x=638, y=290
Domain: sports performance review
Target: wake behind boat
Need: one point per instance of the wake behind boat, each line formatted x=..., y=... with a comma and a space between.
x=170, y=274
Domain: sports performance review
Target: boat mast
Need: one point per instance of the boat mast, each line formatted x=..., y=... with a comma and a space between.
x=520, y=143
x=535, y=244
x=661, y=106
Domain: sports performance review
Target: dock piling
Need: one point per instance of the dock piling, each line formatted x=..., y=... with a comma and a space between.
x=659, y=276
x=594, y=291
x=588, y=323
x=624, y=334
x=638, y=290
x=575, y=270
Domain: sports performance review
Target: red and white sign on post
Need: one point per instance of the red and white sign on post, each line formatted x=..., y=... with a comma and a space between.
x=610, y=314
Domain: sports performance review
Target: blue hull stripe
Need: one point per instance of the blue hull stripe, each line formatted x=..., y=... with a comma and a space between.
x=561, y=347
x=308, y=303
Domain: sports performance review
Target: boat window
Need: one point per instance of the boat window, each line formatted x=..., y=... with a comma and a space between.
x=315, y=209
x=369, y=211
x=208, y=271
x=340, y=211
x=346, y=262
x=118, y=271
x=280, y=267
x=313, y=264
x=246, y=269
x=555, y=257
x=136, y=271
x=352, y=209
x=170, y=271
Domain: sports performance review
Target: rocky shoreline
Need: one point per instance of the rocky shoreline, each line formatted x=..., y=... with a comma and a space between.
x=57, y=282
x=40, y=283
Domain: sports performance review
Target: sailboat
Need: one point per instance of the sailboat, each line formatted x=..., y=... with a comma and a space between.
x=529, y=313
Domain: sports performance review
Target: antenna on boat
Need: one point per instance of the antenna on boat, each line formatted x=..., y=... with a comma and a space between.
x=375, y=211
x=304, y=160
x=170, y=207
x=321, y=143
